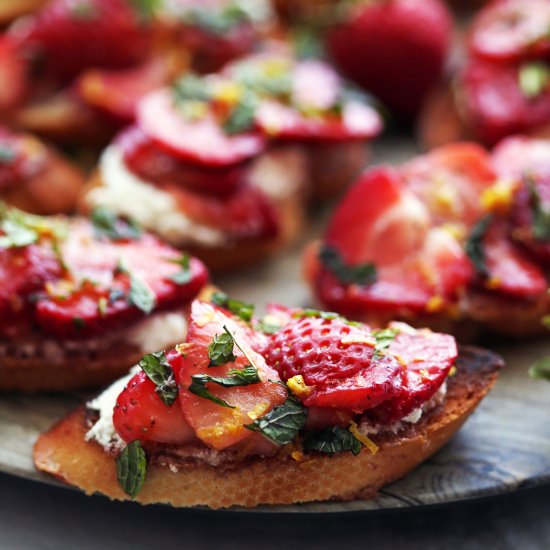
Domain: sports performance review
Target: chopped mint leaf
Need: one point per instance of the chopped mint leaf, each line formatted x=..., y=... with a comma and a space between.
x=241, y=309
x=183, y=276
x=541, y=214
x=282, y=424
x=220, y=350
x=141, y=295
x=474, y=245
x=107, y=224
x=534, y=79
x=383, y=338
x=331, y=441
x=362, y=274
x=159, y=371
x=131, y=468
x=242, y=116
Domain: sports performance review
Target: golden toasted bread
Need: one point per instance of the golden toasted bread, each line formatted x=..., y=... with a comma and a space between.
x=64, y=453
x=12, y=9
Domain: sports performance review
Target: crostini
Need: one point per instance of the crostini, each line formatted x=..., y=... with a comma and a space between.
x=36, y=178
x=299, y=406
x=82, y=300
x=503, y=85
x=457, y=239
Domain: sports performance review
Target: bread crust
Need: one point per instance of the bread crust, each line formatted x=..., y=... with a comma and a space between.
x=239, y=254
x=64, y=453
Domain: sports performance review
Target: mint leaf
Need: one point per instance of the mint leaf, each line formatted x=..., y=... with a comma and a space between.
x=131, y=468
x=184, y=276
x=241, y=309
x=220, y=350
x=540, y=369
x=282, y=424
x=474, y=245
x=191, y=88
x=159, y=371
x=541, y=215
x=141, y=295
x=107, y=224
x=329, y=315
x=533, y=79
x=332, y=440
x=237, y=377
x=242, y=116
x=362, y=274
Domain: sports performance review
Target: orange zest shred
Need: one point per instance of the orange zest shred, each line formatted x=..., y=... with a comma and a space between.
x=368, y=443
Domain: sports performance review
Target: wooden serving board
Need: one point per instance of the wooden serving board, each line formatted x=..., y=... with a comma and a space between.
x=504, y=446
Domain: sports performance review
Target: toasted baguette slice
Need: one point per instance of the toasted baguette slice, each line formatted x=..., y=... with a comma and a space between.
x=64, y=453
x=12, y=9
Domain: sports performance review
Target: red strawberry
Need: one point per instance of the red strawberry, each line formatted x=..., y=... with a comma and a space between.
x=381, y=222
x=510, y=30
x=509, y=269
x=428, y=357
x=217, y=426
x=336, y=361
x=70, y=36
x=203, y=141
x=13, y=74
x=141, y=414
x=22, y=272
x=144, y=158
x=494, y=104
x=527, y=160
x=92, y=266
x=395, y=49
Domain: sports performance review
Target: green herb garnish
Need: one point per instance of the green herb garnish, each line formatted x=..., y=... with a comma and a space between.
x=362, y=274
x=131, y=468
x=474, y=245
x=183, y=276
x=108, y=225
x=158, y=370
x=332, y=440
x=328, y=315
x=282, y=424
x=242, y=116
x=541, y=215
x=220, y=350
x=241, y=309
x=79, y=324
x=237, y=377
x=534, y=79
x=141, y=295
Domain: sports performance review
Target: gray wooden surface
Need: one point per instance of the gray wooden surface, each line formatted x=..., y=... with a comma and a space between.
x=504, y=446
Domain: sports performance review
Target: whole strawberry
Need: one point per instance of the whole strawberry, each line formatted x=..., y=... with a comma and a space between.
x=69, y=36
x=395, y=49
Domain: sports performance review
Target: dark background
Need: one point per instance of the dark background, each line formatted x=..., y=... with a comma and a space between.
x=34, y=515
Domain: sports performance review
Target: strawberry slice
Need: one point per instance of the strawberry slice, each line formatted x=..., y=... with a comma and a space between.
x=141, y=414
x=336, y=361
x=450, y=180
x=23, y=271
x=383, y=223
x=97, y=297
x=527, y=160
x=494, y=104
x=428, y=358
x=201, y=141
x=143, y=157
x=315, y=96
x=511, y=30
x=117, y=93
x=70, y=36
x=13, y=74
x=246, y=214
x=217, y=426
x=357, y=121
x=509, y=269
